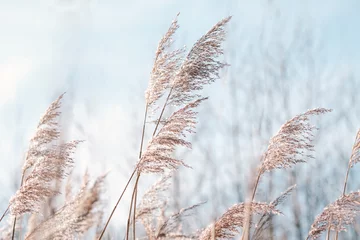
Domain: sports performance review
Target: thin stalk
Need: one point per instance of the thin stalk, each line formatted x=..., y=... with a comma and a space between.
x=143, y=132
x=117, y=203
x=346, y=178
x=137, y=179
x=162, y=111
x=256, y=185
x=329, y=229
x=14, y=224
x=4, y=213
x=246, y=230
x=346, y=181
x=132, y=175
x=328, y=234
x=129, y=216
x=142, y=139
x=135, y=199
x=344, y=190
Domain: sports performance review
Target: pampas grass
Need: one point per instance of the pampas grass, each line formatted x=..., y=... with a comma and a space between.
x=37, y=186
x=291, y=145
x=176, y=79
x=230, y=223
x=345, y=209
x=336, y=215
x=75, y=218
x=182, y=78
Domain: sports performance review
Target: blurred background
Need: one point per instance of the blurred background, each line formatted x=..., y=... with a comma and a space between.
x=286, y=57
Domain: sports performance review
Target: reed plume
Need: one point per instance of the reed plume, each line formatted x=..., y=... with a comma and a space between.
x=47, y=132
x=151, y=212
x=337, y=215
x=157, y=157
x=344, y=210
x=263, y=223
x=229, y=224
x=200, y=67
x=170, y=226
x=48, y=162
x=54, y=165
x=183, y=78
x=75, y=218
x=167, y=63
x=153, y=199
x=292, y=144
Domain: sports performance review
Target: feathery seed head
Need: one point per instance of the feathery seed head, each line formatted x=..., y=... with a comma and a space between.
x=75, y=218
x=292, y=143
x=47, y=132
x=229, y=224
x=54, y=165
x=157, y=156
x=337, y=215
x=200, y=66
x=167, y=62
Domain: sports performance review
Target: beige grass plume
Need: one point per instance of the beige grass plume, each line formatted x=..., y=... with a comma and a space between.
x=344, y=210
x=263, y=223
x=336, y=216
x=48, y=161
x=292, y=144
x=166, y=64
x=170, y=227
x=75, y=218
x=47, y=132
x=152, y=204
x=157, y=157
x=229, y=224
x=200, y=67
x=37, y=186
x=151, y=212
x=183, y=78
x=153, y=199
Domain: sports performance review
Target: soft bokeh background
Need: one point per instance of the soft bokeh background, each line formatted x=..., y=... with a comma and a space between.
x=286, y=57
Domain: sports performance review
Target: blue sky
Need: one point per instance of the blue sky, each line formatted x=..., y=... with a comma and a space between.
x=101, y=52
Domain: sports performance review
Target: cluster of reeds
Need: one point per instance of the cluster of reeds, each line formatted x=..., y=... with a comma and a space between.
x=48, y=161
x=176, y=79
